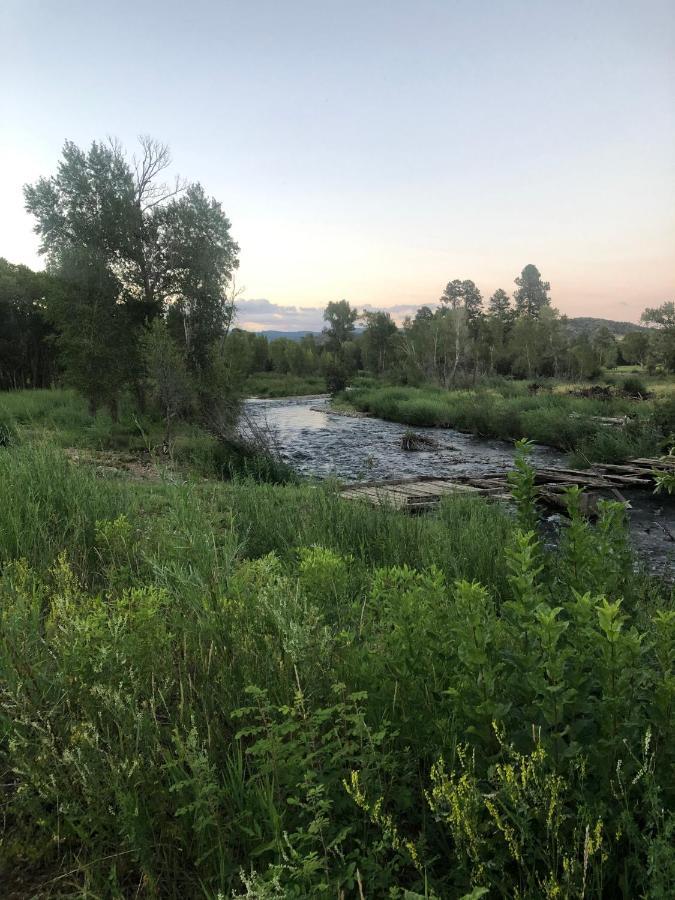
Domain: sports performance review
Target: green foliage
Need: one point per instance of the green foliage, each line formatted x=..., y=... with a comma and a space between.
x=522, y=483
x=663, y=415
x=378, y=340
x=172, y=390
x=247, y=689
x=665, y=478
x=198, y=258
x=47, y=505
x=27, y=357
x=662, y=347
x=340, y=318
x=532, y=294
x=530, y=823
x=8, y=433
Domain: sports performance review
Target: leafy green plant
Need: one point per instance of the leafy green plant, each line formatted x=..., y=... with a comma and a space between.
x=522, y=483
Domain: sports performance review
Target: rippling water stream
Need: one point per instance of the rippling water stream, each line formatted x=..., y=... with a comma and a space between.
x=320, y=443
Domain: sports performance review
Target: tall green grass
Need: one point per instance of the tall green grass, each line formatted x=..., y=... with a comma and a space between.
x=47, y=505
x=510, y=413
x=251, y=690
x=61, y=416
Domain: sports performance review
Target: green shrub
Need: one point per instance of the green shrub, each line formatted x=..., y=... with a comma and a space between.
x=634, y=386
x=663, y=416
x=8, y=434
x=273, y=384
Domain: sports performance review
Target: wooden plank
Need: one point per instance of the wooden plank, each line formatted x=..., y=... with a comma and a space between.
x=654, y=460
x=446, y=488
x=422, y=491
x=667, y=463
x=629, y=480
x=624, y=469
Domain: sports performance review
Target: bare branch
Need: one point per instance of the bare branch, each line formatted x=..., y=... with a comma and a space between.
x=155, y=159
x=229, y=303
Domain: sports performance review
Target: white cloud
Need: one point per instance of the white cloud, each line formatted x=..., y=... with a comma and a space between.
x=263, y=315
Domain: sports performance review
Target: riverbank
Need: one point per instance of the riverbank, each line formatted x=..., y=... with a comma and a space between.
x=569, y=418
x=276, y=385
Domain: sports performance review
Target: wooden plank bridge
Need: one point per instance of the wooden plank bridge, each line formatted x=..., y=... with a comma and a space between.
x=421, y=493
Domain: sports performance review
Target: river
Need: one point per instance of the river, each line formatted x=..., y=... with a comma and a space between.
x=318, y=442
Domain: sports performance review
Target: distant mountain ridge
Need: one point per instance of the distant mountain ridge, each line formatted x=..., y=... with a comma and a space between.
x=297, y=335
x=289, y=335
x=578, y=325
x=581, y=324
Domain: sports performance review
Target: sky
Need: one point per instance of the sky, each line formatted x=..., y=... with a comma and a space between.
x=373, y=150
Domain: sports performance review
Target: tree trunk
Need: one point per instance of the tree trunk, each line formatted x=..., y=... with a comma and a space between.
x=139, y=390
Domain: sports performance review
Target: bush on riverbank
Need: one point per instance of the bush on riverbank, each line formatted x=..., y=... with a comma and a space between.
x=264, y=690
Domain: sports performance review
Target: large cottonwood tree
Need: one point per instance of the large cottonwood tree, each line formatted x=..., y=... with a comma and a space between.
x=131, y=246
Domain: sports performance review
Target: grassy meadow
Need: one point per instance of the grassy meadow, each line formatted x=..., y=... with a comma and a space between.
x=240, y=689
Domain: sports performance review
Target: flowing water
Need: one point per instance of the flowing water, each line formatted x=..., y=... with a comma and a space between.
x=323, y=444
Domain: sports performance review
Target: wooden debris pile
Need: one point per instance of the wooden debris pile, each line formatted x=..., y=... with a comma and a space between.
x=416, y=494
x=618, y=421
x=414, y=442
x=594, y=392
x=411, y=441
x=602, y=481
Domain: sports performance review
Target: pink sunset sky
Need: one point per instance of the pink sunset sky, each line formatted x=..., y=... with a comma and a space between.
x=375, y=150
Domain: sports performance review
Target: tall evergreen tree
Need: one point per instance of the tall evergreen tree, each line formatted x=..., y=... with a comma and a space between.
x=453, y=294
x=472, y=300
x=499, y=305
x=532, y=294
x=498, y=327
